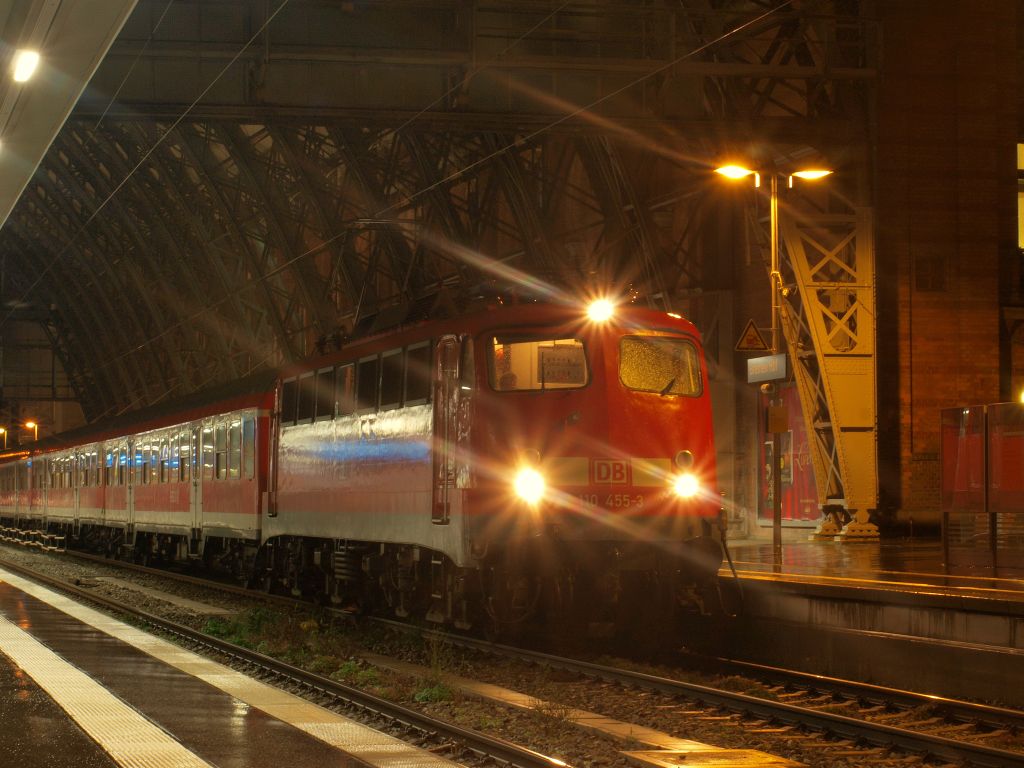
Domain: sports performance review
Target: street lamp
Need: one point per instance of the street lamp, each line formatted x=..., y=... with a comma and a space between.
x=809, y=174
x=35, y=429
x=3, y=432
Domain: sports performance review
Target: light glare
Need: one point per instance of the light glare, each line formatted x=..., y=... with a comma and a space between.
x=734, y=171
x=812, y=173
x=601, y=310
x=529, y=485
x=25, y=63
x=686, y=485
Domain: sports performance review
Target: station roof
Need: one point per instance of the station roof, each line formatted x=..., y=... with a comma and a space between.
x=242, y=183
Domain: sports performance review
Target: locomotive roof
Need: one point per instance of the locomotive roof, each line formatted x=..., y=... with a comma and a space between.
x=500, y=315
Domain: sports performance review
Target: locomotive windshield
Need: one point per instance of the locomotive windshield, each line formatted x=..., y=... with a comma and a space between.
x=517, y=363
x=658, y=364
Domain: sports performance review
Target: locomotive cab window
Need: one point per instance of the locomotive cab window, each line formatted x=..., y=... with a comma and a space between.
x=661, y=365
x=517, y=363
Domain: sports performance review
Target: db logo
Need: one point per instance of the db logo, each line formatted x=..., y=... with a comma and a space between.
x=608, y=471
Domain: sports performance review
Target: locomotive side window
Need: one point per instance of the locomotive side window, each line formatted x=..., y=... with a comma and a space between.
x=307, y=397
x=346, y=378
x=367, y=384
x=248, y=447
x=235, y=449
x=417, y=374
x=289, y=402
x=324, y=394
x=391, y=379
x=662, y=365
x=515, y=363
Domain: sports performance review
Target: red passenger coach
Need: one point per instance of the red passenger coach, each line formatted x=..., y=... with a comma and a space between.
x=166, y=484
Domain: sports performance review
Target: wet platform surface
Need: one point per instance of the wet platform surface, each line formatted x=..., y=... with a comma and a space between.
x=147, y=702
x=900, y=565
x=35, y=732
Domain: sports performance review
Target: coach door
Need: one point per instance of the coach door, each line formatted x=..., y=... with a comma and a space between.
x=196, y=469
x=446, y=387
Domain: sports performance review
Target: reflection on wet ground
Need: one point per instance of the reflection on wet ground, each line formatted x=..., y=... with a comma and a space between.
x=894, y=561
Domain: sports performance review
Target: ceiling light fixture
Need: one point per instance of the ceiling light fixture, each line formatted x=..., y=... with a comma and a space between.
x=25, y=63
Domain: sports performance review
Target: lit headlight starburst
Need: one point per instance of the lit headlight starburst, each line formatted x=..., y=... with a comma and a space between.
x=529, y=485
x=686, y=485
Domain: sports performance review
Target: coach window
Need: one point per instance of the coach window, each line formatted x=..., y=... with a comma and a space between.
x=367, y=384
x=289, y=401
x=165, y=461
x=307, y=397
x=248, y=447
x=346, y=389
x=324, y=394
x=122, y=466
x=234, y=449
x=208, y=452
x=417, y=373
x=221, y=448
x=154, y=463
x=184, y=456
x=391, y=379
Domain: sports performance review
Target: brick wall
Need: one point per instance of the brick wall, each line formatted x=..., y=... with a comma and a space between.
x=946, y=197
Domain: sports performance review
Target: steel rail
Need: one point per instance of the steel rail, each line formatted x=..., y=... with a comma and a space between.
x=877, y=734
x=481, y=744
x=966, y=711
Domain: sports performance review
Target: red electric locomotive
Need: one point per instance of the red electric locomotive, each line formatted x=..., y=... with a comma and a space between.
x=524, y=463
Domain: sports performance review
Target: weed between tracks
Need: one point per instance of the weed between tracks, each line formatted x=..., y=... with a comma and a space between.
x=325, y=648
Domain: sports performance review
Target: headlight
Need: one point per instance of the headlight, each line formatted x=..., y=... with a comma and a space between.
x=686, y=485
x=600, y=310
x=529, y=485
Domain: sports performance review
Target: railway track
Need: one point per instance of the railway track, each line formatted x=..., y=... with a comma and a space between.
x=872, y=721
x=438, y=735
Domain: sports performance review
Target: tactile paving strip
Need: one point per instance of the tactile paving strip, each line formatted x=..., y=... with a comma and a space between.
x=353, y=738
x=129, y=738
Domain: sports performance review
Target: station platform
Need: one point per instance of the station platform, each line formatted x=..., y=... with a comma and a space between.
x=897, y=565
x=118, y=696
x=892, y=612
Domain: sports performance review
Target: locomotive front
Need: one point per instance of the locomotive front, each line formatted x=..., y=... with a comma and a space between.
x=600, y=470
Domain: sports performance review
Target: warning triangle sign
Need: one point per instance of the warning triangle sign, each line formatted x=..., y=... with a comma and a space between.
x=751, y=339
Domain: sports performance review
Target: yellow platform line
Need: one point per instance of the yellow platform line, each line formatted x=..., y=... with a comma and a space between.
x=130, y=739
x=353, y=738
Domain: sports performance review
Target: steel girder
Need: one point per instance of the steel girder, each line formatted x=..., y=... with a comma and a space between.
x=828, y=308
x=432, y=148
